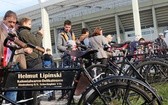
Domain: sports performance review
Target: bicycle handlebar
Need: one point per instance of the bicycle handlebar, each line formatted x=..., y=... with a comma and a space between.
x=12, y=37
x=83, y=46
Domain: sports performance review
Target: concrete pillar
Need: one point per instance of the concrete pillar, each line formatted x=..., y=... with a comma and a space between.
x=83, y=25
x=137, y=23
x=154, y=21
x=55, y=40
x=117, y=29
x=46, y=27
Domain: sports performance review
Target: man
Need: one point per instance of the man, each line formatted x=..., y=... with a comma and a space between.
x=160, y=42
x=66, y=41
x=64, y=36
x=8, y=26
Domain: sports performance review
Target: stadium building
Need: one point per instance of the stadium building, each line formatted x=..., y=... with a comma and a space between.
x=120, y=18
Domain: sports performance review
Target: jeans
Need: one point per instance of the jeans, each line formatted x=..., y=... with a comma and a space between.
x=12, y=95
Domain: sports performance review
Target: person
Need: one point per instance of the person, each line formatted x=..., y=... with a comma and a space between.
x=48, y=63
x=24, y=32
x=97, y=41
x=160, y=42
x=137, y=49
x=33, y=60
x=8, y=25
x=64, y=36
x=109, y=39
x=84, y=40
x=48, y=59
x=134, y=45
x=84, y=37
x=66, y=41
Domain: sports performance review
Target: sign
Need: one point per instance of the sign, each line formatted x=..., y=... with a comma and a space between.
x=40, y=79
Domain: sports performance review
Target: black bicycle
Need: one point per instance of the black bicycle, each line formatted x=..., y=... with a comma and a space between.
x=111, y=90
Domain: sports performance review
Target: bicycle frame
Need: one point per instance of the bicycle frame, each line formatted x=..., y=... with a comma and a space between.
x=36, y=73
x=55, y=76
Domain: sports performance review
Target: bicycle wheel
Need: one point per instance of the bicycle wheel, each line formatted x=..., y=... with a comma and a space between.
x=119, y=94
x=153, y=71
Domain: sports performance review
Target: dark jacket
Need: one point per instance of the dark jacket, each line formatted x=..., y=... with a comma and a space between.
x=161, y=43
x=48, y=61
x=133, y=46
x=26, y=36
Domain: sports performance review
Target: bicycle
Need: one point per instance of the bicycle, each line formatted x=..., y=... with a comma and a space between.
x=107, y=91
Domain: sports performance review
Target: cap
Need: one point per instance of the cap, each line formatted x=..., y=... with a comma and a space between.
x=161, y=34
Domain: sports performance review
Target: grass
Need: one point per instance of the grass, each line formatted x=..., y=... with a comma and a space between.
x=162, y=90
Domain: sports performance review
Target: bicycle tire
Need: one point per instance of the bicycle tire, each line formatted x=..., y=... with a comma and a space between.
x=131, y=72
x=153, y=71
x=115, y=99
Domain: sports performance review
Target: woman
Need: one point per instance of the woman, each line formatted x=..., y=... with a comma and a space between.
x=97, y=41
x=33, y=60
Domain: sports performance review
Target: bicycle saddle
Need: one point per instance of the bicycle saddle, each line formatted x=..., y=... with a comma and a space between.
x=81, y=54
x=120, y=45
x=145, y=43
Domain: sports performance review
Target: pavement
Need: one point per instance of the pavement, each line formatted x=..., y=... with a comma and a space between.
x=44, y=99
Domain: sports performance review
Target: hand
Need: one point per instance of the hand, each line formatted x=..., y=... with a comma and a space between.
x=28, y=50
x=41, y=31
x=78, y=42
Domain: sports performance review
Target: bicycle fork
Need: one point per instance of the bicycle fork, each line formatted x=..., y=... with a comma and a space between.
x=94, y=87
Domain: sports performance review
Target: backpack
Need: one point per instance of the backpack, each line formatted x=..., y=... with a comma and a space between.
x=47, y=61
x=47, y=64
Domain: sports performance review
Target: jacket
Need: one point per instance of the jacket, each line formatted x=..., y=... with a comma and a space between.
x=36, y=39
x=161, y=43
x=20, y=58
x=98, y=43
x=62, y=40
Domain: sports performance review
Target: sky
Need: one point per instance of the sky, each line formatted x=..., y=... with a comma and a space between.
x=15, y=5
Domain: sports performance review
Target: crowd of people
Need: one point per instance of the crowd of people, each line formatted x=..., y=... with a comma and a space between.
x=28, y=59
x=33, y=59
